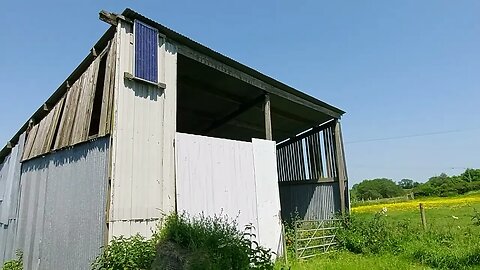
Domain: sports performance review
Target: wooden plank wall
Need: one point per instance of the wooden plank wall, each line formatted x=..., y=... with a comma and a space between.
x=315, y=157
x=68, y=122
x=108, y=90
x=309, y=158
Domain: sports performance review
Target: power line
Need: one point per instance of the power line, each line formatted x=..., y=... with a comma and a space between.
x=412, y=135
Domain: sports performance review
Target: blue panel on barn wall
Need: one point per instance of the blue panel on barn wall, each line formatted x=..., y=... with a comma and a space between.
x=146, y=52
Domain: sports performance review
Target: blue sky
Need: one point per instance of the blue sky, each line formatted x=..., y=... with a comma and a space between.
x=398, y=68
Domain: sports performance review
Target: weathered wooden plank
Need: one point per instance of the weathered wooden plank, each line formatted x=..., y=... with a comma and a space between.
x=57, y=110
x=305, y=134
x=268, y=118
x=341, y=171
x=83, y=114
x=318, y=146
x=30, y=140
x=39, y=142
x=327, y=153
x=308, y=181
x=108, y=90
x=68, y=115
x=312, y=150
x=49, y=129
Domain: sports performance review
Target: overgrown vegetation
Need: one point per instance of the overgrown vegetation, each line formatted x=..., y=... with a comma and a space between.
x=188, y=243
x=15, y=264
x=444, y=245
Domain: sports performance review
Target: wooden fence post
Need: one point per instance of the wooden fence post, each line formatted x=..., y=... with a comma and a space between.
x=422, y=216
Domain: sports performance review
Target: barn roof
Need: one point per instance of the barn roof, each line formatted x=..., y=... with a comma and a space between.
x=179, y=38
x=305, y=110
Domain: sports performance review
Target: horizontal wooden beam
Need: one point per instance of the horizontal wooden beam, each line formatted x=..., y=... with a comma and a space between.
x=111, y=18
x=215, y=64
x=308, y=181
x=210, y=90
x=241, y=109
x=316, y=129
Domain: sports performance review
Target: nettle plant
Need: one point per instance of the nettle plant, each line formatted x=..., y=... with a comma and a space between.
x=188, y=243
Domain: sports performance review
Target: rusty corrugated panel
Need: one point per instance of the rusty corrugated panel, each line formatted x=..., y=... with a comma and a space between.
x=62, y=208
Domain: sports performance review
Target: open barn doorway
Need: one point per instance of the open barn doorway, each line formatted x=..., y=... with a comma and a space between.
x=219, y=103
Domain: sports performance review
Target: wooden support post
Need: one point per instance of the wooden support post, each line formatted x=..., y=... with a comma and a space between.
x=268, y=118
x=340, y=162
x=422, y=216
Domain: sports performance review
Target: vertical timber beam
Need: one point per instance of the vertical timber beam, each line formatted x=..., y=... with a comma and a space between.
x=268, y=118
x=340, y=160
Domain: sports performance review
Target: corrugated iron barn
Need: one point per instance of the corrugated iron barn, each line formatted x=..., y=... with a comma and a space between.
x=152, y=122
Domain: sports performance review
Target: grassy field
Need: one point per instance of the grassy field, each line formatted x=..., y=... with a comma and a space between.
x=450, y=242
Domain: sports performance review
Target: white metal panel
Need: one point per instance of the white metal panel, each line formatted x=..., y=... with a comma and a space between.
x=143, y=184
x=144, y=227
x=268, y=196
x=216, y=176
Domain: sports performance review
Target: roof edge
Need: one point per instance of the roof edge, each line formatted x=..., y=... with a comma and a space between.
x=175, y=36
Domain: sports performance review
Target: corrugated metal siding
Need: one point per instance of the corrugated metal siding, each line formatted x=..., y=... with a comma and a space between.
x=310, y=201
x=146, y=51
x=143, y=180
x=9, y=195
x=62, y=208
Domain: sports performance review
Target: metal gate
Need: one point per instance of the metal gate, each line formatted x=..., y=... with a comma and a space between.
x=315, y=237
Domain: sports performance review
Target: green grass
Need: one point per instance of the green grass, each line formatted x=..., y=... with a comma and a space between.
x=348, y=260
x=397, y=240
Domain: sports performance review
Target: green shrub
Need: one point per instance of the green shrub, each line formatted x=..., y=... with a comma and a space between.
x=15, y=264
x=209, y=243
x=188, y=243
x=373, y=235
x=134, y=252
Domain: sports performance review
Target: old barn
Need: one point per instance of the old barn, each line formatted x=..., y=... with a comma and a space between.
x=153, y=122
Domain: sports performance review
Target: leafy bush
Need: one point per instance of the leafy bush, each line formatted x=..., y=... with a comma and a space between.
x=369, y=235
x=188, y=243
x=134, y=252
x=209, y=243
x=16, y=264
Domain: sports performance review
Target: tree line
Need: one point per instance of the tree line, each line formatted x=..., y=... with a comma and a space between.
x=441, y=185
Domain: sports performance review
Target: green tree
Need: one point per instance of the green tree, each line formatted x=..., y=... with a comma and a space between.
x=471, y=175
x=444, y=185
x=377, y=189
x=407, y=183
